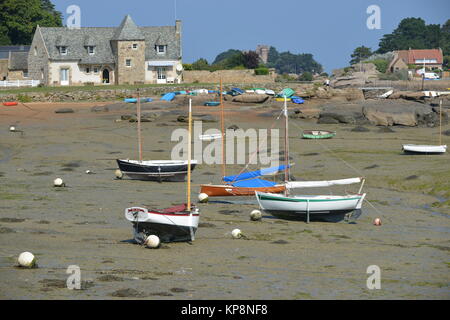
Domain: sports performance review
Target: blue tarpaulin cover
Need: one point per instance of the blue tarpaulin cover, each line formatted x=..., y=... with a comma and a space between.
x=238, y=90
x=254, y=183
x=253, y=174
x=168, y=96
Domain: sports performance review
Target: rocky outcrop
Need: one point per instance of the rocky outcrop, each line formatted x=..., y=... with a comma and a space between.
x=392, y=113
x=342, y=113
x=408, y=95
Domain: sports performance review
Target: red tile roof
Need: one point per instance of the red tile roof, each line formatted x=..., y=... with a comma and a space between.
x=410, y=56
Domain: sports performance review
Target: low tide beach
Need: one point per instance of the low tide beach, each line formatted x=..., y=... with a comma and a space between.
x=83, y=224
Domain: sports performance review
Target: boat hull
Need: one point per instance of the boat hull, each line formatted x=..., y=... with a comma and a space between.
x=169, y=227
x=317, y=208
x=174, y=171
x=423, y=149
x=228, y=190
x=318, y=134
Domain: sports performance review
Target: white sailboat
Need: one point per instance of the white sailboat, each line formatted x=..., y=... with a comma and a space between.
x=331, y=208
x=428, y=149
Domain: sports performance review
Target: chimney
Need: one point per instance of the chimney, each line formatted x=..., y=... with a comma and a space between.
x=178, y=27
x=178, y=35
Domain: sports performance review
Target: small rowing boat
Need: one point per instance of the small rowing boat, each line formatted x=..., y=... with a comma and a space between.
x=318, y=134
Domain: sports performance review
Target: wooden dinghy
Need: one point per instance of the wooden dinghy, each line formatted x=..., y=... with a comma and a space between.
x=318, y=134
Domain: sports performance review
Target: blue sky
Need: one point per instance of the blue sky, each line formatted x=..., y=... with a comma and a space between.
x=328, y=29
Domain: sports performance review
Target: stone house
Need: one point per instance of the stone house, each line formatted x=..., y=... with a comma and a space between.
x=14, y=62
x=127, y=54
x=431, y=58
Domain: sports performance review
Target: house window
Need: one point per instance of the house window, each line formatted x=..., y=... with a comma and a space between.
x=88, y=70
x=35, y=51
x=161, y=73
x=425, y=61
x=91, y=50
x=95, y=70
x=135, y=46
x=160, y=49
x=128, y=62
x=25, y=73
x=63, y=50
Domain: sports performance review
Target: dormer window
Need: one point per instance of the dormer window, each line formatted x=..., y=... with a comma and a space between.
x=161, y=49
x=91, y=50
x=63, y=50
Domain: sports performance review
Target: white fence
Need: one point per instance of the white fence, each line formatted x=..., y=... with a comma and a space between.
x=19, y=83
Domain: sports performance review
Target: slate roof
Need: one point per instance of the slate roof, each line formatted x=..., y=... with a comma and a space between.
x=77, y=40
x=4, y=50
x=128, y=31
x=19, y=61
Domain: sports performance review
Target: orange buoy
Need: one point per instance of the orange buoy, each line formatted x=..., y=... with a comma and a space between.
x=10, y=103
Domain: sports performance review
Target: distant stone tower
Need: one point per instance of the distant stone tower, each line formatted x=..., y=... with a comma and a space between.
x=128, y=45
x=263, y=52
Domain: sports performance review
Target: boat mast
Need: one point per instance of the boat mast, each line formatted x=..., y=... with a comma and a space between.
x=139, y=125
x=189, y=159
x=223, y=130
x=440, y=122
x=286, y=144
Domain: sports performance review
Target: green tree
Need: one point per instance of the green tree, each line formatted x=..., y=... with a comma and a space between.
x=236, y=60
x=200, y=64
x=272, y=56
x=19, y=18
x=411, y=33
x=444, y=42
x=225, y=55
x=306, y=76
x=359, y=54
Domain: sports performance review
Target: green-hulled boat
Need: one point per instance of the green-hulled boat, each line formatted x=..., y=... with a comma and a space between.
x=318, y=134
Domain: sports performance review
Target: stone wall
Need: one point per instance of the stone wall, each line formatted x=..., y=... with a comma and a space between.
x=136, y=72
x=3, y=69
x=227, y=76
x=16, y=75
x=38, y=64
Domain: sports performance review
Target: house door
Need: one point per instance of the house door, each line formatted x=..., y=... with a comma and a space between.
x=161, y=72
x=64, y=77
x=105, y=76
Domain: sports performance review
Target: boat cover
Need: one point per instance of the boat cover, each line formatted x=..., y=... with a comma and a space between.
x=254, y=183
x=168, y=96
x=237, y=90
x=253, y=174
x=288, y=92
x=316, y=184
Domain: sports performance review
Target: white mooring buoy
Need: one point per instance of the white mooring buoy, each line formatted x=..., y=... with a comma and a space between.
x=203, y=198
x=119, y=174
x=58, y=182
x=27, y=260
x=255, y=215
x=152, y=241
x=236, y=233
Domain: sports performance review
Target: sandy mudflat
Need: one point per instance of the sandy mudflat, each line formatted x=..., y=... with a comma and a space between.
x=83, y=224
